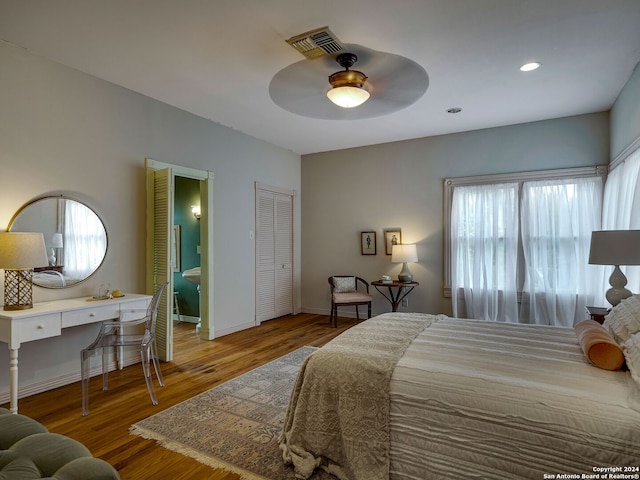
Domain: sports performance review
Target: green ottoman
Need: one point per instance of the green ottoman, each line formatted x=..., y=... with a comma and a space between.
x=28, y=451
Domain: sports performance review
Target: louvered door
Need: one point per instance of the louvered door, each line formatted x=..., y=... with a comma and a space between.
x=274, y=253
x=283, y=252
x=162, y=227
x=265, y=258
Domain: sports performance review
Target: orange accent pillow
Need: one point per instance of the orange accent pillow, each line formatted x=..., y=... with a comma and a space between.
x=599, y=346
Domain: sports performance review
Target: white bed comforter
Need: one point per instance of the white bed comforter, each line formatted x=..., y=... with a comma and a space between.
x=476, y=399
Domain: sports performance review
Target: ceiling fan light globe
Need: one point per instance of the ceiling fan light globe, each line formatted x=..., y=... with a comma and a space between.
x=348, y=97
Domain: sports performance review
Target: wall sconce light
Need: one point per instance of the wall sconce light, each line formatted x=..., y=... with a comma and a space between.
x=19, y=253
x=195, y=209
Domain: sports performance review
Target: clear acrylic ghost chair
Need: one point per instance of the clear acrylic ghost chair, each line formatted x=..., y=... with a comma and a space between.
x=112, y=335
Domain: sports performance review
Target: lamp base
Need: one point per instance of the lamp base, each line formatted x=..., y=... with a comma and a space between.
x=617, y=292
x=18, y=289
x=405, y=275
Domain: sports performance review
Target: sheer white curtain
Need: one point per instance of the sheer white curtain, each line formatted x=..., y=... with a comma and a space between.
x=557, y=219
x=84, y=245
x=484, y=246
x=621, y=211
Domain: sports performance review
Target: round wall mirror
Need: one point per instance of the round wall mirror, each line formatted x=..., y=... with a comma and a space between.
x=75, y=237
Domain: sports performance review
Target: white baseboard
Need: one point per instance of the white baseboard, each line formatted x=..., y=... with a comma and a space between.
x=227, y=331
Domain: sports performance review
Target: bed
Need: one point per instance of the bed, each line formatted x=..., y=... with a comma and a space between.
x=49, y=279
x=415, y=396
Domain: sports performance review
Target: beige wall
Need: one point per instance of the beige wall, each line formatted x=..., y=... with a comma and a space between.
x=62, y=131
x=401, y=185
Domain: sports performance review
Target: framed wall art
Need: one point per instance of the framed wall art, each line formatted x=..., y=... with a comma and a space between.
x=391, y=237
x=368, y=243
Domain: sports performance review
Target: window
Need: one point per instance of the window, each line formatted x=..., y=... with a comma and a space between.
x=557, y=218
x=621, y=209
x=517, y=245
x=484, y=248
x=85, y=242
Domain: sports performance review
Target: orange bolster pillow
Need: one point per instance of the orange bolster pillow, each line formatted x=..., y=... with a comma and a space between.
x=599, y=346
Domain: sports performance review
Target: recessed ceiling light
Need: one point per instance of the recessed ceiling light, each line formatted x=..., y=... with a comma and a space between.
x=528, y=67
x=454, y=110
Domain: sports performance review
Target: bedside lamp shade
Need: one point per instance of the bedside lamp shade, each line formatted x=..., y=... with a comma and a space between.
x=404, y=254
x=615, y=247
x=19, y=253
x=56, y=242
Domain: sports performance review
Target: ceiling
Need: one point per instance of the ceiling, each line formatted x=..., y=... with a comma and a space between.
x=216, y=58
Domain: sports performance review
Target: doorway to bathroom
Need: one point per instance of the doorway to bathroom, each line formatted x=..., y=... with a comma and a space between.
x=167, y=259
x=185, y=251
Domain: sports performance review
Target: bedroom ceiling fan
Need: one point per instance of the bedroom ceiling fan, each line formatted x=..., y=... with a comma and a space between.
x=347, y=86
x=392, y=83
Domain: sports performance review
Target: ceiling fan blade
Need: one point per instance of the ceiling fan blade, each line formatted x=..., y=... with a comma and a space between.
x=395, y=82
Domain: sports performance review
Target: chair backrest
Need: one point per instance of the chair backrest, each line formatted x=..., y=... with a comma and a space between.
x=152, y=310
x=346, y=283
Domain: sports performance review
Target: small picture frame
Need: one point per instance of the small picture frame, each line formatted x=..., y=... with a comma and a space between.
x=368, y=243
x=392, y=237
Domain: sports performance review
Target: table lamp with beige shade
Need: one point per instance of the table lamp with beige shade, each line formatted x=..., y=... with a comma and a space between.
x=55, y=243
x=404, y=254
x=20, y=252
x=615, y=247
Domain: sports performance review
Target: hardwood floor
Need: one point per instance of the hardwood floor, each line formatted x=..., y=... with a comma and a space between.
x=198, y=366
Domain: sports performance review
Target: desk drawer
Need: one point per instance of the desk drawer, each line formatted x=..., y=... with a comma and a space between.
x=36, y=328
x=90, y=315
x=133, y=310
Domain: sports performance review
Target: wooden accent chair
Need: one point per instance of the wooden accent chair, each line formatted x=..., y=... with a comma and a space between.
x=344, y=292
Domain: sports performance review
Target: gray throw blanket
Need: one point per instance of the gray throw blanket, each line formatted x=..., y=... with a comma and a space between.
x=338, y=416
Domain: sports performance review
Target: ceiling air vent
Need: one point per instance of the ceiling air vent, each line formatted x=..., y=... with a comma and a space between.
x=316, y=43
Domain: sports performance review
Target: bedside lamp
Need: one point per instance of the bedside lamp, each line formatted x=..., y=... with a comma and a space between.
x=56, y=242
x=19, y=253
x=615, y=247
x=404, y=254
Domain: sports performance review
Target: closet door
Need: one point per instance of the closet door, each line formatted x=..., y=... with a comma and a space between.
x=283, y=251
x=265, y=258
x=274, y=254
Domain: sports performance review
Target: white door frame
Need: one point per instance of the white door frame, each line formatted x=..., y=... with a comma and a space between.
x=294, y=278
x=206, y=242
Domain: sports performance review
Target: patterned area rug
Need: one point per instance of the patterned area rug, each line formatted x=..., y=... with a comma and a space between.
x=234, y=426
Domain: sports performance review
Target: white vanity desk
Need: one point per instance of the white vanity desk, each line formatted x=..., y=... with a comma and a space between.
x=47, y=319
